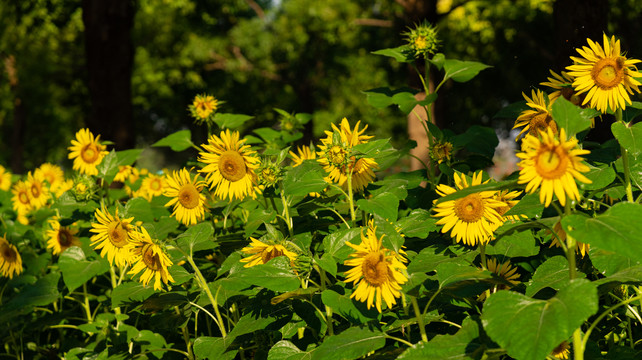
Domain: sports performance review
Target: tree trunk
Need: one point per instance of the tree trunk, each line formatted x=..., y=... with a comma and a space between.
x=19, y=117
x=110, y=55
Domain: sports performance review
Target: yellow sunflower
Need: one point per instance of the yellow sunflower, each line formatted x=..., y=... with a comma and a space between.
x=87, y=152
x=186, y=196
x=562, y=84
x=38, y=190
x=334, y=156
x=562, y=351
x=539, y=118
x=124, y=172
x=5, y=179
x=261, y=253
x=504, y=271
x=113, y=236
x=472, y=218
x=553, y=164
x=203, y=106
x=152, y=186
x=151, y=259
x=580, y=247
x=61, y=238
x=302, y=153
x=508, y=198
x=441, y=151
x=62, y=187
x=230, y=166
x=10, y=260
x=21, y=198
x=607, y=75
x=377, y=272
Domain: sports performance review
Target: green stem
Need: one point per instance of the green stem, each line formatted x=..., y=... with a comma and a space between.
x=86, y=304
x=625, y=162
x=114, y=283
x=482, y=254
x=420, y=319
x=398, y=339
x=603, y=315
x=353, y=217
x=203, y=284
x=186, y=338
x=286, y=212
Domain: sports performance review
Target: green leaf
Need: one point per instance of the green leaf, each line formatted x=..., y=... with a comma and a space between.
x=519, y=243
x=177, y=141
x=462, y=71
x=630, y=137
x=328, y=263
x=304, y=179
x=197, y=237
x=465, y=344
x=385, y=205
x=479, y=140
x=346, y=307
x=379, y=98
x=632, y=111
x=569, y=117
x=552, y=273
x=108, y=168
x=501, y=185
x=511, y=111
x=609, y=263
x=428, y=259
x=353, y=343
x=406, y=101
x=256, y=218
x=334, y=244
x=418, y=223
x=451, y=273
x=616, y=230
x=285, y=350
x=77, y=270
x=130, y=292
x=128, y=157
x=601, y=177
x=230, y=121
x=212, y=348
x=276, y=275
x=528, y=205
x=42, y=293
x=632, y=275
x=530, y=329
x=401, y=53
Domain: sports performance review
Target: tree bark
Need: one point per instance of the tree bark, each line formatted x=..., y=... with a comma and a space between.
x=110, y=54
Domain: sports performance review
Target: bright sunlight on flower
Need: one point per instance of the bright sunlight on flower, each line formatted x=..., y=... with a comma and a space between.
x=606, y=74
x=539, y=118
x=151, y=259
x=553, y=164
x=87, y=152
x=186, y=196
x=113, y=235
x=377, y=272
x=203, y=106
x=261, y=253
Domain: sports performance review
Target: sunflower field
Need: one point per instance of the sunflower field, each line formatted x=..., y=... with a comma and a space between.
x=260, y=248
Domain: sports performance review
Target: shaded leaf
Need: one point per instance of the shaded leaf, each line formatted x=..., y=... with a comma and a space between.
x=230, y=121
x=350, y=344
x=552, y=273
x=77, y=269
x=465, y=344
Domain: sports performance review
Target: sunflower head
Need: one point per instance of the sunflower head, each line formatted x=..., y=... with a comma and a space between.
x=151, y=259
x=61, y=238
x=422, y=40
x=441, y=151
x=261, y=252
x=87, y=152
x=5, y=179
x=269, y=173
x=605, y=75
x=113, y=236
x=21, y=199
x=203, y=108
x=10, y=260
x=538, y=118
x=185, y=193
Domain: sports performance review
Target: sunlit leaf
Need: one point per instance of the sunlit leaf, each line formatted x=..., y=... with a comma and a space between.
x=462, y=71
x=552, y=273
x=230, y=121
x=353, y=343
x=464, y=344
x=177, y=141
x=630, y=137
x=569, y=117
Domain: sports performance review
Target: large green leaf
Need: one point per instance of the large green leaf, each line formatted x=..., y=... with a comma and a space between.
x=519, y=243
x=402, y=53
x=108, y=167
x=350, y=344
x=528, y=205
x=77, y=269
x=352, y=311
x=42, y=293
x=449, y=273
x=552, y=273
x=428, y=259
x=465, y=344
x=385, y=205
x=213, y=348
x=462, y=71
x=600, y=177
x=569, y=117
x=177, y=141
x=276, y=275
x=530, y=329
x=609, y=263
x=629, y=136
x=285, y=350
x=196, y=238
x=334, y=244
x=129, y=292
x=230, y=121
x=479, y=140
x=418, y=223
x=616, y=230
x=304, y=179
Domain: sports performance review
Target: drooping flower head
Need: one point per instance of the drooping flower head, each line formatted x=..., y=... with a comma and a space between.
x=606, y=74
x=508, y=198
x=61, y=238
x=87, y=152
x=203, y=107
x=230, y=166
x=113, y=235
x=377, y=272
x=5, y=179
x=552, y=164
x=538, y=118
x=260, y=253
x=186, y=197
x=562, y=85
x=334, y=156
x=10, y=260
x=505, y=271
x=472, y=218
x=151, y=259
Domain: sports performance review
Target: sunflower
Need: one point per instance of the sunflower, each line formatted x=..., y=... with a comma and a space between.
x=87, y=152
x=5, y=179
x=376, y=272
x=152, y=186
x=124, y=172
x=334, y=156
x=562, y=85
x=472, y=218
x=10, y=260
x=230, y=166
x=113, y=236
x=441, y=151
x=37, y=189
x=504, y=271
x=151, y=259
x=53, y=174
x=552, y=163
x=539, y=118
x=302, y=154
x=203, y=106
x=261, y=253
x=607, y=75
x=560, y=235
x=185, y=194
x=60, y=237
x=562, y=351
x=21, y=198
x=508, y=198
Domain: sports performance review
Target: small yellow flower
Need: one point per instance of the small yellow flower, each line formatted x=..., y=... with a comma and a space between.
x=562, y=351
x=422, y=40
x=302, y=153
x=38, y=191
x=21, y=199
x=153, y=185
x=203, y=106
x=124, y=172
x=441, y=151
x=5, y=179
x=261, y=253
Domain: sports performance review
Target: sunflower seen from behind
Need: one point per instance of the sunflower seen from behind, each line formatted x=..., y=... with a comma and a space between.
x=113, y=236
x=539, y=117
x=552, y=164
x=87, y=152
x=230, y=166
x=61, y=238
x=376, y=272
x=471, y=219
x=150, y=259
x=186, y=197
x=10, y=259
x=605, y=75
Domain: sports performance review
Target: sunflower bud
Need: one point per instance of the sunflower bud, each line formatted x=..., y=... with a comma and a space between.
x=441, y=151
x=422, y=40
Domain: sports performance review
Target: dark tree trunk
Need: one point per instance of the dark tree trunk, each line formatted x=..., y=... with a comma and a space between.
x=110, y=54
x=19, y=117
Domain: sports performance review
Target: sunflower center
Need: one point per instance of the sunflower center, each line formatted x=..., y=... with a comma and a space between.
x=420, y=42
x=8, y=254
x=23, y=197
x=151, y=259
x=470, y=208
x=188, y=196
x=541, y=122
x=35, y=190
x=269, y=255
x=232, y=166
x=155, y=185
x=608, y=73
x=375, y=269
x=89, y=153
x=118, y=234
x=551, y=163
x=337, y=155
x=64, y=238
